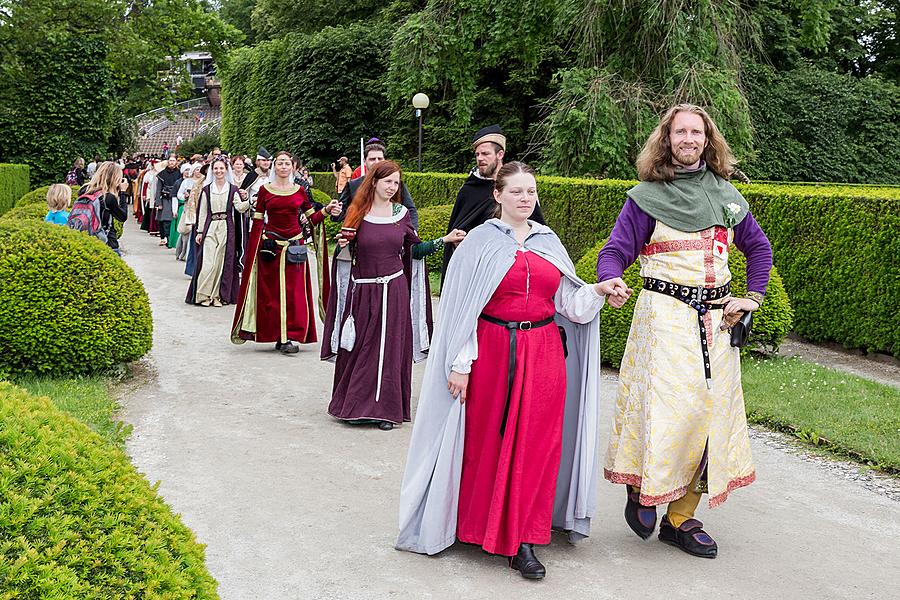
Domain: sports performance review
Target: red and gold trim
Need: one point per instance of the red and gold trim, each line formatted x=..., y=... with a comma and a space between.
x=645, y=500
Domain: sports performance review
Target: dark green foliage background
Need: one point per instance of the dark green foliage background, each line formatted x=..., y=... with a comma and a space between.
x=78, y=521
x=814, y=125
x=57, y=106
x=68, y=304
x=14, y=183
x=312, y=95
x=199, y=144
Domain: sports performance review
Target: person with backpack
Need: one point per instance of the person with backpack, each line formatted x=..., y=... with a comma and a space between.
x=98, y=203
x=76, y=175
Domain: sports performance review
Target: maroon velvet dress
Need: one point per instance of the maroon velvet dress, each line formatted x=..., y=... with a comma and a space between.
x=508, y=483
x=261, y=283
x=359, y=394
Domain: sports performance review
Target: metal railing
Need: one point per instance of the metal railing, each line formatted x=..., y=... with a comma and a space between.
x=211, y=125
x=178, y=106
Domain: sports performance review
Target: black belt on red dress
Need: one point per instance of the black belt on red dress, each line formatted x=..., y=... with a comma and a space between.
x=512, y=327
x=700, y=299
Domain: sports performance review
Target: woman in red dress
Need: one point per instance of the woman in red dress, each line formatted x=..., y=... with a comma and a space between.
x=504, y=444
x=275, y=302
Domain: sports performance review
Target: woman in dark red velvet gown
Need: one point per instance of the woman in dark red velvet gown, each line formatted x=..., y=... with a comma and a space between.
x=276, y=299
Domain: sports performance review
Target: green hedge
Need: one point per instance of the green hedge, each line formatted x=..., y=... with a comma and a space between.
x=39, y=196
x=68, y=304
x=433, y=222
x=14, y=182
x=770, y=324
x=62, y=105
x=324, y=85
x=827, y=239
x=78, y=521
x=837, y=250
x=26, y=212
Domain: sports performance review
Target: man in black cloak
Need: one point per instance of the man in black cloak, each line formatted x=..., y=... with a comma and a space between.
x=475, y=201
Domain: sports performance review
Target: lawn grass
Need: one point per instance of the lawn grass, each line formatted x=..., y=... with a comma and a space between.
x=88, y=399
x=846, y=414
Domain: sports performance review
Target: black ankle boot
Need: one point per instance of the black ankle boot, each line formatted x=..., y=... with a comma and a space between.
x=526, y=563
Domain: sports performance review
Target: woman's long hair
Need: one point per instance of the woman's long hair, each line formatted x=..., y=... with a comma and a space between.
x=106, y=178
x=654, y=163
x=365, y=195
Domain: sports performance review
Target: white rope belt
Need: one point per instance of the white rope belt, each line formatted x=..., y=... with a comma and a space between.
x=382, y=281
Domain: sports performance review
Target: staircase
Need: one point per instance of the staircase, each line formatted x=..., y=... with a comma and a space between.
x=186, y=119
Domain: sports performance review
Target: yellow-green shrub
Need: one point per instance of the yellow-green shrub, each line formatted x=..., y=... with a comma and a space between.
x=25, y=212
x=68, y=304
x=771, y=323
x=14, y=181
x=39, y=196
x=78, y=521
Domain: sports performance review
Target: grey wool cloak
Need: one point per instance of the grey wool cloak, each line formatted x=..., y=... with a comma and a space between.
x=429, y=494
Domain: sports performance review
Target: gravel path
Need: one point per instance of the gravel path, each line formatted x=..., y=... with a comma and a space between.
x=292, y=504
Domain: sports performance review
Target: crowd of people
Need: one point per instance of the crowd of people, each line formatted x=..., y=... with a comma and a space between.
x=505, y=445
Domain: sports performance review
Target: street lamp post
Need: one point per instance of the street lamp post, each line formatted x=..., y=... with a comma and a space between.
x=420, y=102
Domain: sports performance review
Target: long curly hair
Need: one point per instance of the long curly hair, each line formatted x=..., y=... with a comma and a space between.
x=365, y=195
x=654, y=163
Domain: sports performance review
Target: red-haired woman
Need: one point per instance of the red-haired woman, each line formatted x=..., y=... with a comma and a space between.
x=275, y=303
x=371, y=304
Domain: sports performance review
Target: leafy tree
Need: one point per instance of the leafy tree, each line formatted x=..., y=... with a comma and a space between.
x=57, y=105
x=314, y=95
x=237, y=13
x=276, y=18
x=844, y=36
x=139, y=34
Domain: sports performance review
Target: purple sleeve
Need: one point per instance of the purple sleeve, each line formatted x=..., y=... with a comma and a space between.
x=631, y=232
x=750, y=239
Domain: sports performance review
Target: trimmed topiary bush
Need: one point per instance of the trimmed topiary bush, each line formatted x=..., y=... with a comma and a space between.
x=39, y=196
x=771, y=323
x=26, y=212
x=68, y=304
x=434, y=189
x=433, y=221
x=78, y=521
x=14, y=181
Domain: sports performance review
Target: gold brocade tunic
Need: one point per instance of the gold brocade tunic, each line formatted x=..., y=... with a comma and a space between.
x=665, y=417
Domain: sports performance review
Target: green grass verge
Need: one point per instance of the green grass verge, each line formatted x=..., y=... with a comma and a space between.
x=88, y=399
x=845, y=414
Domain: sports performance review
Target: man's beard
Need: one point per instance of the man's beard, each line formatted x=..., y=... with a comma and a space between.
x=687, y=159
x=489, y=170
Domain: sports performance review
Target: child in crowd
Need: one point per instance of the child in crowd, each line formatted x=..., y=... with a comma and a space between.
x=59, y=196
